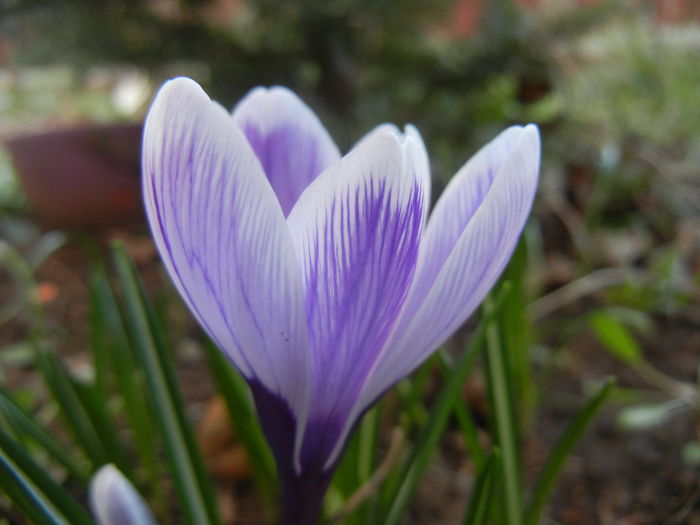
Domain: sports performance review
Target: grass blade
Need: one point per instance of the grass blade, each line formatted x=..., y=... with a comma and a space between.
x=236, y=394
x=33, y=491
x=439, y=413
x=192, y=483
x=517, y=332
x=368, y=438
x=504, y=420
x=84, y=408
x=368, y=435
x=466, y=423
x=71, y=407
x=129, y=379
x=25, y=423
x=411, y=393
x=97, y=409
x=562, y=449
x=481, y=498
x=354, y=502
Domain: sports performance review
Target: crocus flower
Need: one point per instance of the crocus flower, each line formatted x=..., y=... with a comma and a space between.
x=114, y=501
x=318, y=275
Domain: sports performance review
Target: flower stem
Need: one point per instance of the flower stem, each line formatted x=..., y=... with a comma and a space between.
x=302, y=499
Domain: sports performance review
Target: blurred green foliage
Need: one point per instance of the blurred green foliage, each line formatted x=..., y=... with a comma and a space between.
x=615, y=96
x=364, y=61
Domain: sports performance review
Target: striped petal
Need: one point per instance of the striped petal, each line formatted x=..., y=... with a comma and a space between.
x=356, y=230
x=223, y=238
x=114, y=501
x=468, y=242
x=291, y=143
x=420, y=153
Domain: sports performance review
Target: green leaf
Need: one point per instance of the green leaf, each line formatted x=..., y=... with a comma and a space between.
x=516, y=331
x=27, y=425
x=38, y=496
x=413, y=416
x=368, y=435
x=465, y=422
x=615, y=337
x=355, y=469
x=85, y=409
x=236, y=394
x=481, y=498
x=411, y=392
x=503, y=419
x=429, y=437
x=193, y=486
x=71, y=407
x=104, y=423
x=561, y=451
x=368, y=438
x=117, y=359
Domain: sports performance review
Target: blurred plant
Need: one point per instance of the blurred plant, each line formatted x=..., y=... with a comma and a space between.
x=129, y=410
x=625, y=187
x=11, y=198
x=129, y=355
x=20, y=263
x=630, y=85
x=364, y=60
x=615, y=328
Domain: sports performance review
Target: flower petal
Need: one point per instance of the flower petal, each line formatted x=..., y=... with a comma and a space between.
x=114, y=501
x=288, y=138
x=468, y=242
x=453, y=211
x=356, y=230
x=224, y=239
x=418, y=151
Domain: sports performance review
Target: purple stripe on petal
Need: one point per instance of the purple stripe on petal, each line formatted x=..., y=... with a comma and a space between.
x=456, y=272
x=419, y=155
x=453, y=211
x=356, y=230
x=289, y=140
x=224, y=240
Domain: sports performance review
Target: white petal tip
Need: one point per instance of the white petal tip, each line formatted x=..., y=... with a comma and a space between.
x=181, y=85
x=531, y=143
x=114, y=501
x=278, y=97
x=532, y=130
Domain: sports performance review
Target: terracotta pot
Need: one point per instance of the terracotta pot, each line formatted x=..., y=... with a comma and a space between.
x=82, y=178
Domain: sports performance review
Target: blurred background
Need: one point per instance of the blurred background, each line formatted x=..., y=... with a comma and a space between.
x=611, y=257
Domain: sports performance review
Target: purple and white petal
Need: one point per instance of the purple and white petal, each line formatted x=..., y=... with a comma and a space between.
x=453, y=211
x=224, y=240
x=420, y=156
x=114, y=501
x=288, y=138
x=422, y=163
x=468, y=242
x=356, y=230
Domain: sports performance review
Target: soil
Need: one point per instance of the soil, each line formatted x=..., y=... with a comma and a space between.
x=613, y=477
x=626, y=477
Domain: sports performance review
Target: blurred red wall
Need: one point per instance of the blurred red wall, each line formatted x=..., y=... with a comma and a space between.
x=467, y=13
